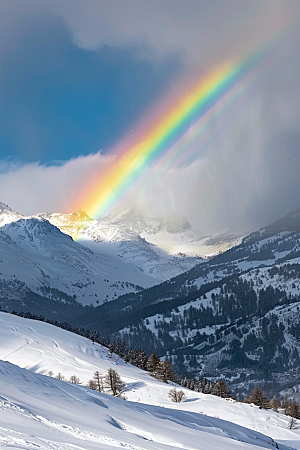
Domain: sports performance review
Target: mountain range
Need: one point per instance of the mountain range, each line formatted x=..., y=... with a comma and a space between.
x=108, y=257
x=231, y=311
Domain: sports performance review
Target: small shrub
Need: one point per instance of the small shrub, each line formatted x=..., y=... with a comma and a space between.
x=175, y=395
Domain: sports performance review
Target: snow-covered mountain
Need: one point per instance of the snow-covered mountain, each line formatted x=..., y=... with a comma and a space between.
x=71, y=224
x=7, y=215
x=38, y=254
x=161, y=247
x=110, y=258
x=174, y=235
x=38, y=411
x=235, y=315
x=116, y=237
x=126, y=245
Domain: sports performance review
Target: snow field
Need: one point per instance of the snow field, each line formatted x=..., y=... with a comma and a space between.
x=42, y=412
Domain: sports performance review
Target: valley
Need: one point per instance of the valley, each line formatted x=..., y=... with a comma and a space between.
x=232, y=315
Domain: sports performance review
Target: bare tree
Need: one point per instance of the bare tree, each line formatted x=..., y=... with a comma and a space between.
x=113, y=382
x=92, y=385
x=98, y=380
x=50, y=373
x=59, y=376
x=175, y=395
x=75, y=380
x=292, y=423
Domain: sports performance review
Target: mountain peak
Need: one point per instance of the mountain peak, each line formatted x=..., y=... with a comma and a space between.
x=8, y=215
x=81, y=215
x=71, y=224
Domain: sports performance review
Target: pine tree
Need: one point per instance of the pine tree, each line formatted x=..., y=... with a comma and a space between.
x=221, y=389
x=258, y=398
x=292, y=409
x=274, y=404
x=141, y=359
x=164, y=372
x=153, y=363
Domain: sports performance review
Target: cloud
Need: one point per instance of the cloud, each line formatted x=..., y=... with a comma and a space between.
x=203, y=31
x=248, y=171
x=227, y=183
x=33, y=188
x=240, y=177
x=59, y=101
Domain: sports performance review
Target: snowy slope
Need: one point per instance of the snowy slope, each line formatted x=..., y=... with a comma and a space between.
x=41, y=412
x=147, y=250
x=161, y=247
x=118, y=239
x=174, y=235
x=128, y=246
x=40, y=255
x=7, y=215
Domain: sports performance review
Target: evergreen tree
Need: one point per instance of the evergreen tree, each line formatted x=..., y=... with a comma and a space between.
x=153, y=363
x=164, y=371
x=221, y=389
x=292, y=409
x=274, y=404
x=258, y=398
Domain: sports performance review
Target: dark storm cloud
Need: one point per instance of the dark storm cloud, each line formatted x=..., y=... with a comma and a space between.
x=92, y=68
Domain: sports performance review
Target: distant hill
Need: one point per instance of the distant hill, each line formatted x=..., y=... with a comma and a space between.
x=237, y=313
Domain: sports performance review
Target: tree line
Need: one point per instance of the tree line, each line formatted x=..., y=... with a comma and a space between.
x=289, y=406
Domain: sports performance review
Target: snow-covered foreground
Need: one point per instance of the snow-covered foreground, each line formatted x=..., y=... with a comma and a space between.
x=39, y=412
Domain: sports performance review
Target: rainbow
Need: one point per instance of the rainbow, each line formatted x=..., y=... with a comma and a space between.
x=156, y=136
x=166, y=132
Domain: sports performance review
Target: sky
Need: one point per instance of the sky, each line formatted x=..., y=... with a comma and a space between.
x=82, y=81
